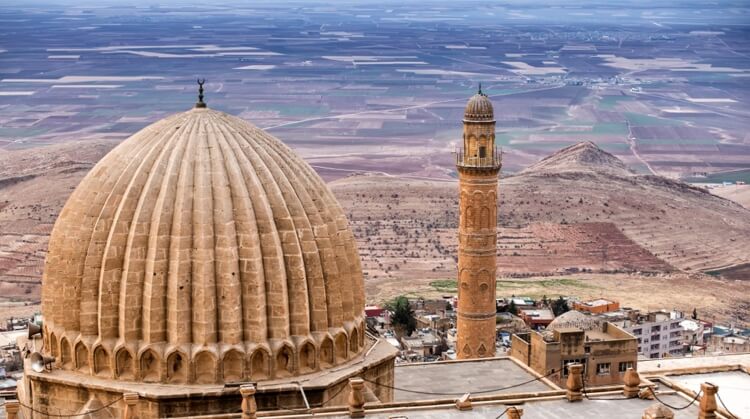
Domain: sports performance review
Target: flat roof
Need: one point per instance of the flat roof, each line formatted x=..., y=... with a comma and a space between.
x=462, y=377
x=547, y=409
x=733, y=387
x=599, y=302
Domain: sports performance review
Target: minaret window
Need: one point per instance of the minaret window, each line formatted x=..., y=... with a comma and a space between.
x=482, y=152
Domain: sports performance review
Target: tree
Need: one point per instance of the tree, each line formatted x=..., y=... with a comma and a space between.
x=512, y=309
x=448, y=306
x=695, y=314
x=545, y=301
x=560, y=306
x=402, y=319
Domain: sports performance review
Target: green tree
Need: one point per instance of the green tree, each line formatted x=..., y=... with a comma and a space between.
x=402, y=317
x=512, y=309
x=545, y=301
x=560, y=306
x=695, y=314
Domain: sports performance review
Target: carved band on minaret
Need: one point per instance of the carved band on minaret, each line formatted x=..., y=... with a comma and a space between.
x=478, y=164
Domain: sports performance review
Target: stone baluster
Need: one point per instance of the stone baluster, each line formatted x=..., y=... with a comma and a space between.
x=708, y=401
x=632, y=380
x=11, y=409
x=249, y=405
x=515, y=412
x=131, y=406
x=356, y=398
x=574, y=385
x=657, y=411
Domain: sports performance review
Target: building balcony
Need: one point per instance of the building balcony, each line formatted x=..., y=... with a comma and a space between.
x=480, y=161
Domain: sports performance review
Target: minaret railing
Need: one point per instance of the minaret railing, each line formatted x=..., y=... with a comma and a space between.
x=492, y=161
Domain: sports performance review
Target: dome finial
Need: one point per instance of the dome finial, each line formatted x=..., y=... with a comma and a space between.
x=200, y=103
x=479, y=92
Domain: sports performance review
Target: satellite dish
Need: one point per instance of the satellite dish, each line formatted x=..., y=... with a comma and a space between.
x=40, y=362
x=34, y=329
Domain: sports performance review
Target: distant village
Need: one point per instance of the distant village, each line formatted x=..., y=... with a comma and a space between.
x=424, y=331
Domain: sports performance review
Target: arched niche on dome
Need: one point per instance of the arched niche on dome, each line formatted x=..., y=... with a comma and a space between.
x=101, y=362
x=260, y=362
x=205, y=368
x=124, y=365
x=307, y=358
x=354, y=341
x=53, y=348
x=340, y=345
x=149, y=366
x=362, y=335
x=66, y=355
x=284, y=365
x=82, y=357
x=177, y=368
x=326, y=352
x=232, y=366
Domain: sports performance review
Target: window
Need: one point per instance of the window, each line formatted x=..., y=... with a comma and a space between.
x=602, y=369
x=587, y=349
x=567, y=362
x=482, y=152
x=637, y=331
x=625, y=365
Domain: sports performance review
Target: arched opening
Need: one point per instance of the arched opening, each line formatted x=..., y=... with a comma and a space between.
x=326, y=353
x=259, y=365
x=176, y=368
x=124, y=365
x=354, y=341
x=482, y=152
x=82, y=357
x=66, y=357
x=101, y=362
x=53, y=345
x=284, y=362
x=232, y=366
x=149, y=367
x=340, y=347
x=205, y=368
x=307, y=358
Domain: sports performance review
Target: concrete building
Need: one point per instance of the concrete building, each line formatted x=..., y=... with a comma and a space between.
x=597, y=306
x=478, y=165
x=729, y=343
x=605, y=351
x=659, y=333
x=202, y=252
x=536, y=318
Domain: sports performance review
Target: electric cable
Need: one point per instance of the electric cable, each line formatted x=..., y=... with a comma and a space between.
x=70, y=416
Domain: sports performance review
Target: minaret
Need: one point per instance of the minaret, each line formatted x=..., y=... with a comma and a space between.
x=478, y=165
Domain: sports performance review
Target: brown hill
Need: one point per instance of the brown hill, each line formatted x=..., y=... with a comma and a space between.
x=580, y=209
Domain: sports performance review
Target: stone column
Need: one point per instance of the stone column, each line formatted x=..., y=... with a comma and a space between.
x=131, y=406
x=356, y=398
x=631, y=380
x=249, y=406
x=515, y=412
x=574, y=385
x=708, y=401
x=11, y=409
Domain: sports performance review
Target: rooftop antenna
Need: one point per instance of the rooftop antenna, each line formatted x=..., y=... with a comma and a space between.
x=200, y=103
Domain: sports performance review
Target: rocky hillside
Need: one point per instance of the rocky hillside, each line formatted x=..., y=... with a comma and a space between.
x=579, y=209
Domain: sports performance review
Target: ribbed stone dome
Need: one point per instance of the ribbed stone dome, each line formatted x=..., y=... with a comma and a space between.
x=202, y=250
x=479, y=109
